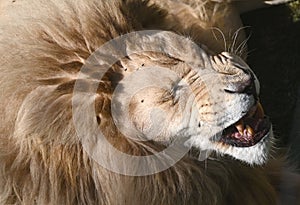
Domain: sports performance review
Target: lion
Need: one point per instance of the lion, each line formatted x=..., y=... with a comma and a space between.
x=132, y=102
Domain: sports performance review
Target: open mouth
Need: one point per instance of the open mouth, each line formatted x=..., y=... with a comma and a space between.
x=249, y=130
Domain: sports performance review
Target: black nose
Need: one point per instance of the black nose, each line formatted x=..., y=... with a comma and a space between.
x=235, y=74
x=249, y=88
x=246, y=87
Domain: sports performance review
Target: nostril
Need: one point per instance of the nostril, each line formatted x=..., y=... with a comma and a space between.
x=249, y=89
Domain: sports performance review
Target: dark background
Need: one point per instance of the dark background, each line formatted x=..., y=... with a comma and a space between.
x=274, y=55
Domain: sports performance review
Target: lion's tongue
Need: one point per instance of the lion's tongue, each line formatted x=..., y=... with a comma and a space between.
x=244, y=127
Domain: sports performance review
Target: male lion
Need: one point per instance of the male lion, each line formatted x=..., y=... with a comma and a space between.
x=151, y=117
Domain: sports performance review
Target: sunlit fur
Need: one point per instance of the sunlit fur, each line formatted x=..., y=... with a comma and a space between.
x=44, y=43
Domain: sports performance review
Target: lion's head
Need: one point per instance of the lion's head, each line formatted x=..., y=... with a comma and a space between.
x=69, y=74
x=167, y=87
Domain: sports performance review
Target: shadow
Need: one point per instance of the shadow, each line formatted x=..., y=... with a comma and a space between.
x=274, y=51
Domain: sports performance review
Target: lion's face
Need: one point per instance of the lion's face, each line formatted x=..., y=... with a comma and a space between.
x=213, y=104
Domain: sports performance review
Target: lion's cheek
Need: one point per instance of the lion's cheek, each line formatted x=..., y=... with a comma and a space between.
x=157, y=122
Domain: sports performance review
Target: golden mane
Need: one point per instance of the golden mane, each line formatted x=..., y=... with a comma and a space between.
x=41, y=159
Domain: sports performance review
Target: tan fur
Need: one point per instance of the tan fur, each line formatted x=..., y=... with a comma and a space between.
x=43, y=45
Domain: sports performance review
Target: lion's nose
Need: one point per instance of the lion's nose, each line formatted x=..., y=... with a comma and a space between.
x=236, y=74
x=247, y=87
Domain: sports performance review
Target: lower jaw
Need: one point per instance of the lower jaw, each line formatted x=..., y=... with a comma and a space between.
x=257, y=154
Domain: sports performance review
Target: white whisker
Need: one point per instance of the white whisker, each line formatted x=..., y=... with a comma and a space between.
x=235, y=37
x=223, y=36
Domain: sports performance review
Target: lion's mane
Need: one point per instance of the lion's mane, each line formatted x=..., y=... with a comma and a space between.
x=41, y=159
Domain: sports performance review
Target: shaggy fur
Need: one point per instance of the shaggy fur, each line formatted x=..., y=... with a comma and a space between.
x=43, y=45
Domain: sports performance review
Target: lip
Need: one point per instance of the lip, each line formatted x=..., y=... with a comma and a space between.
x=249, y=130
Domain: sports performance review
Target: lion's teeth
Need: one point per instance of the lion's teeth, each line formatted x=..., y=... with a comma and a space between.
x=259, y=111
x=252, y=111
x=244, y=129
x=240, y=126
x=250, y=130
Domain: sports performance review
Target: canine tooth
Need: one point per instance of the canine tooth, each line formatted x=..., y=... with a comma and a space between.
x=240, y=126
x=250, y=130
x=252, y=111
x=259, y=111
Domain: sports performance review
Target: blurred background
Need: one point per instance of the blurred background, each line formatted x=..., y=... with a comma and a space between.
x=274, y=55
